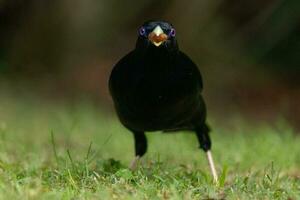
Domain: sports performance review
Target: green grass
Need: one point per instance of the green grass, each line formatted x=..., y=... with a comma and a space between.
x=76, y=151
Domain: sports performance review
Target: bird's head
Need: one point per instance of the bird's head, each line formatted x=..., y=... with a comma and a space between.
x=157, y=34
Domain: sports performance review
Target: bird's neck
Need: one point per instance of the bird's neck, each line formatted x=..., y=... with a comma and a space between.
x=160, y=57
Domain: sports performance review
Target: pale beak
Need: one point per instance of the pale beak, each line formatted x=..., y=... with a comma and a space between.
x=157, y=36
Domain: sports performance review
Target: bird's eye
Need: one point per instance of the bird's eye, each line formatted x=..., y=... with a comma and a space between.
x=172, y=32
x=142, y=31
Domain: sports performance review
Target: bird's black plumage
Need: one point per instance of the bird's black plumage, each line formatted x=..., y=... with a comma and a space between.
x=156, y=87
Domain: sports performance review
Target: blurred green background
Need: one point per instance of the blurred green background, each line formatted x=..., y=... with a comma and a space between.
x=248, y=51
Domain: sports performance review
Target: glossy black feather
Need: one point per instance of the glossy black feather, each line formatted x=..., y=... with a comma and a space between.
x=158, y=88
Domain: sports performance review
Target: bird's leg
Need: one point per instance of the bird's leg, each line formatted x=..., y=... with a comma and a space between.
x=140, y=142
x=134, y=163
x=212, y=166
x=205, y=144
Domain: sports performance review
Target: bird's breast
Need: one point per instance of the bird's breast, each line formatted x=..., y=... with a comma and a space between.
x=155, y=94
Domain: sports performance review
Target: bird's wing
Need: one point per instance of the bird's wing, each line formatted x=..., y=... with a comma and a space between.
x=118, y=72
x=191, y=67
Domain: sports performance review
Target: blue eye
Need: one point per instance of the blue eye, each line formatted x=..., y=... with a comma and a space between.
x=142, y=31
x=172, y=32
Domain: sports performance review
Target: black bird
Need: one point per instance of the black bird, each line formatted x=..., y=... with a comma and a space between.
x=156, y=87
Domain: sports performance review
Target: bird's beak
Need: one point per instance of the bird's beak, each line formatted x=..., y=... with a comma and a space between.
x=157, y=36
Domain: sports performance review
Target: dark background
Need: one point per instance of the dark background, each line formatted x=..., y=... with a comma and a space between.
x=248, y=51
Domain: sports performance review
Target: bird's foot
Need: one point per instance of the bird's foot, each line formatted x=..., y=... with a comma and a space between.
x=133, y=165
x=212, y=166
